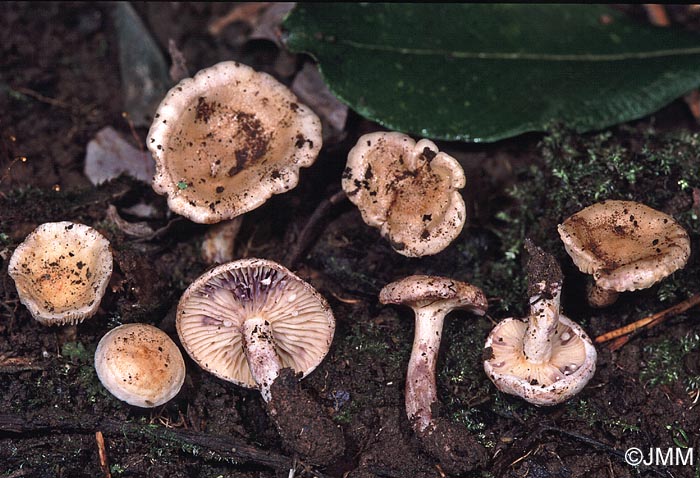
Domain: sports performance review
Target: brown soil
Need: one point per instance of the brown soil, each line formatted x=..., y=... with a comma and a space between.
x=60, y=84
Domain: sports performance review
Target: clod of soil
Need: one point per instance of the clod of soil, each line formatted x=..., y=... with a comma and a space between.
x=302, y=423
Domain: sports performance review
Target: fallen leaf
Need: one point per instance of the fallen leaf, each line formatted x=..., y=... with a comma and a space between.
x=109, y=155
x=269, y=25
x=484, y=72
x=178, y=64
x=144, y=73
x=312, y=91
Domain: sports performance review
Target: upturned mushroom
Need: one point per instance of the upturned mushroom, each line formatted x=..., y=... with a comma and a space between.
x=625, y=246
x=431, y=299
x=140, y=365
x=61, y=272
x=254, y=323
x=228, y=139
x=408, y=190
x=546, y=358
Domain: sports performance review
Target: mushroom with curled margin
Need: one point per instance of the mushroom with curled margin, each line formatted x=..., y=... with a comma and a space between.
x=254, y=323
x=408, y=190
x=140, y=365
x=625, y=246
x=548, y=358
x=431, y=299
x=227, y=139
x=61, y=272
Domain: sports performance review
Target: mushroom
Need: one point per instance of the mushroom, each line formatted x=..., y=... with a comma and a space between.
x=625, y=246
x=61, y=271
x=408, y=190
x=431, y=299
x=140, y=365
x=228, y=139
x=549, y=358
x=252, y=322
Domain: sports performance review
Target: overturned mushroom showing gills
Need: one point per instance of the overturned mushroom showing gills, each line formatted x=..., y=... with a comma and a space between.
x=431, y=299
x=140, y=365
x=408, y=190
x=254, y=323
x=228, y=139
x=548, y=358
x=61, y=271
x=625, y=246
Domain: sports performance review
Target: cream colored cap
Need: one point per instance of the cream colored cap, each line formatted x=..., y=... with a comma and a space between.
x=625, y=245
x=408, y=190
x=212, y=311
x=140, y=365
x=61, y=272
x=439, y=292
x=228, y=139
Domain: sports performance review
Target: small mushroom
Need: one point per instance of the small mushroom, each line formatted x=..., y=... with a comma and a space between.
x=625, y=246
x=431, y=299
x=61, y=271
x=248, y=322
x=549, y=358
x=140, y=365
x=408, y=190
x=228, y=139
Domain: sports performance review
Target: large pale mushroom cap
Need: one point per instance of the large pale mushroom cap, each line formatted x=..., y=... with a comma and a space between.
x=61, y=272
x=140, y=364
x=571, y=365
x=228, y=139
x=212, y=311
x=408, y=190
x=624, y=244
x=440, y=292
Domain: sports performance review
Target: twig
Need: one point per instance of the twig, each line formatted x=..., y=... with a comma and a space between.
x=308, y=233
x=657, y=15
x=622, y=335
x=219, y=447
x=39, y=97
x=246, y=12
x=104, y=464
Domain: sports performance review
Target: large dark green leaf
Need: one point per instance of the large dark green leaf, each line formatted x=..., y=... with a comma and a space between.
x=485, y=72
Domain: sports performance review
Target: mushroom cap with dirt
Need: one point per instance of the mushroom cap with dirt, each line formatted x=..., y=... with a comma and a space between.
x=254, y=323
x=140, y=365
x=432, y=298
x=227, y=139
x=548, y=358
x=625, y=246
x=61, y=272
x=408, y=190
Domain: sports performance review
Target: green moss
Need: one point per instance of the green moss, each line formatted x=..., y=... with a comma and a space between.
x=595, y=417
x=575, y=171
x=76, y=352
x=664, y=362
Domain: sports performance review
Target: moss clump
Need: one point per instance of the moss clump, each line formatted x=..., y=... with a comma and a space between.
x=665, y=359
x=575, y=171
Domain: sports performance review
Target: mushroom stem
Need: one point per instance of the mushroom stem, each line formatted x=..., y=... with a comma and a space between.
x=598, y=297
x=421, y=390
x=542, y=323
x=259, y=348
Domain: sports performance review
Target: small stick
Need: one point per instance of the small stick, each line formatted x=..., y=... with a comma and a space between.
x=657, y=14
x=649, y=321
x=39, y=97
x=307, y=234
x=104, y=464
